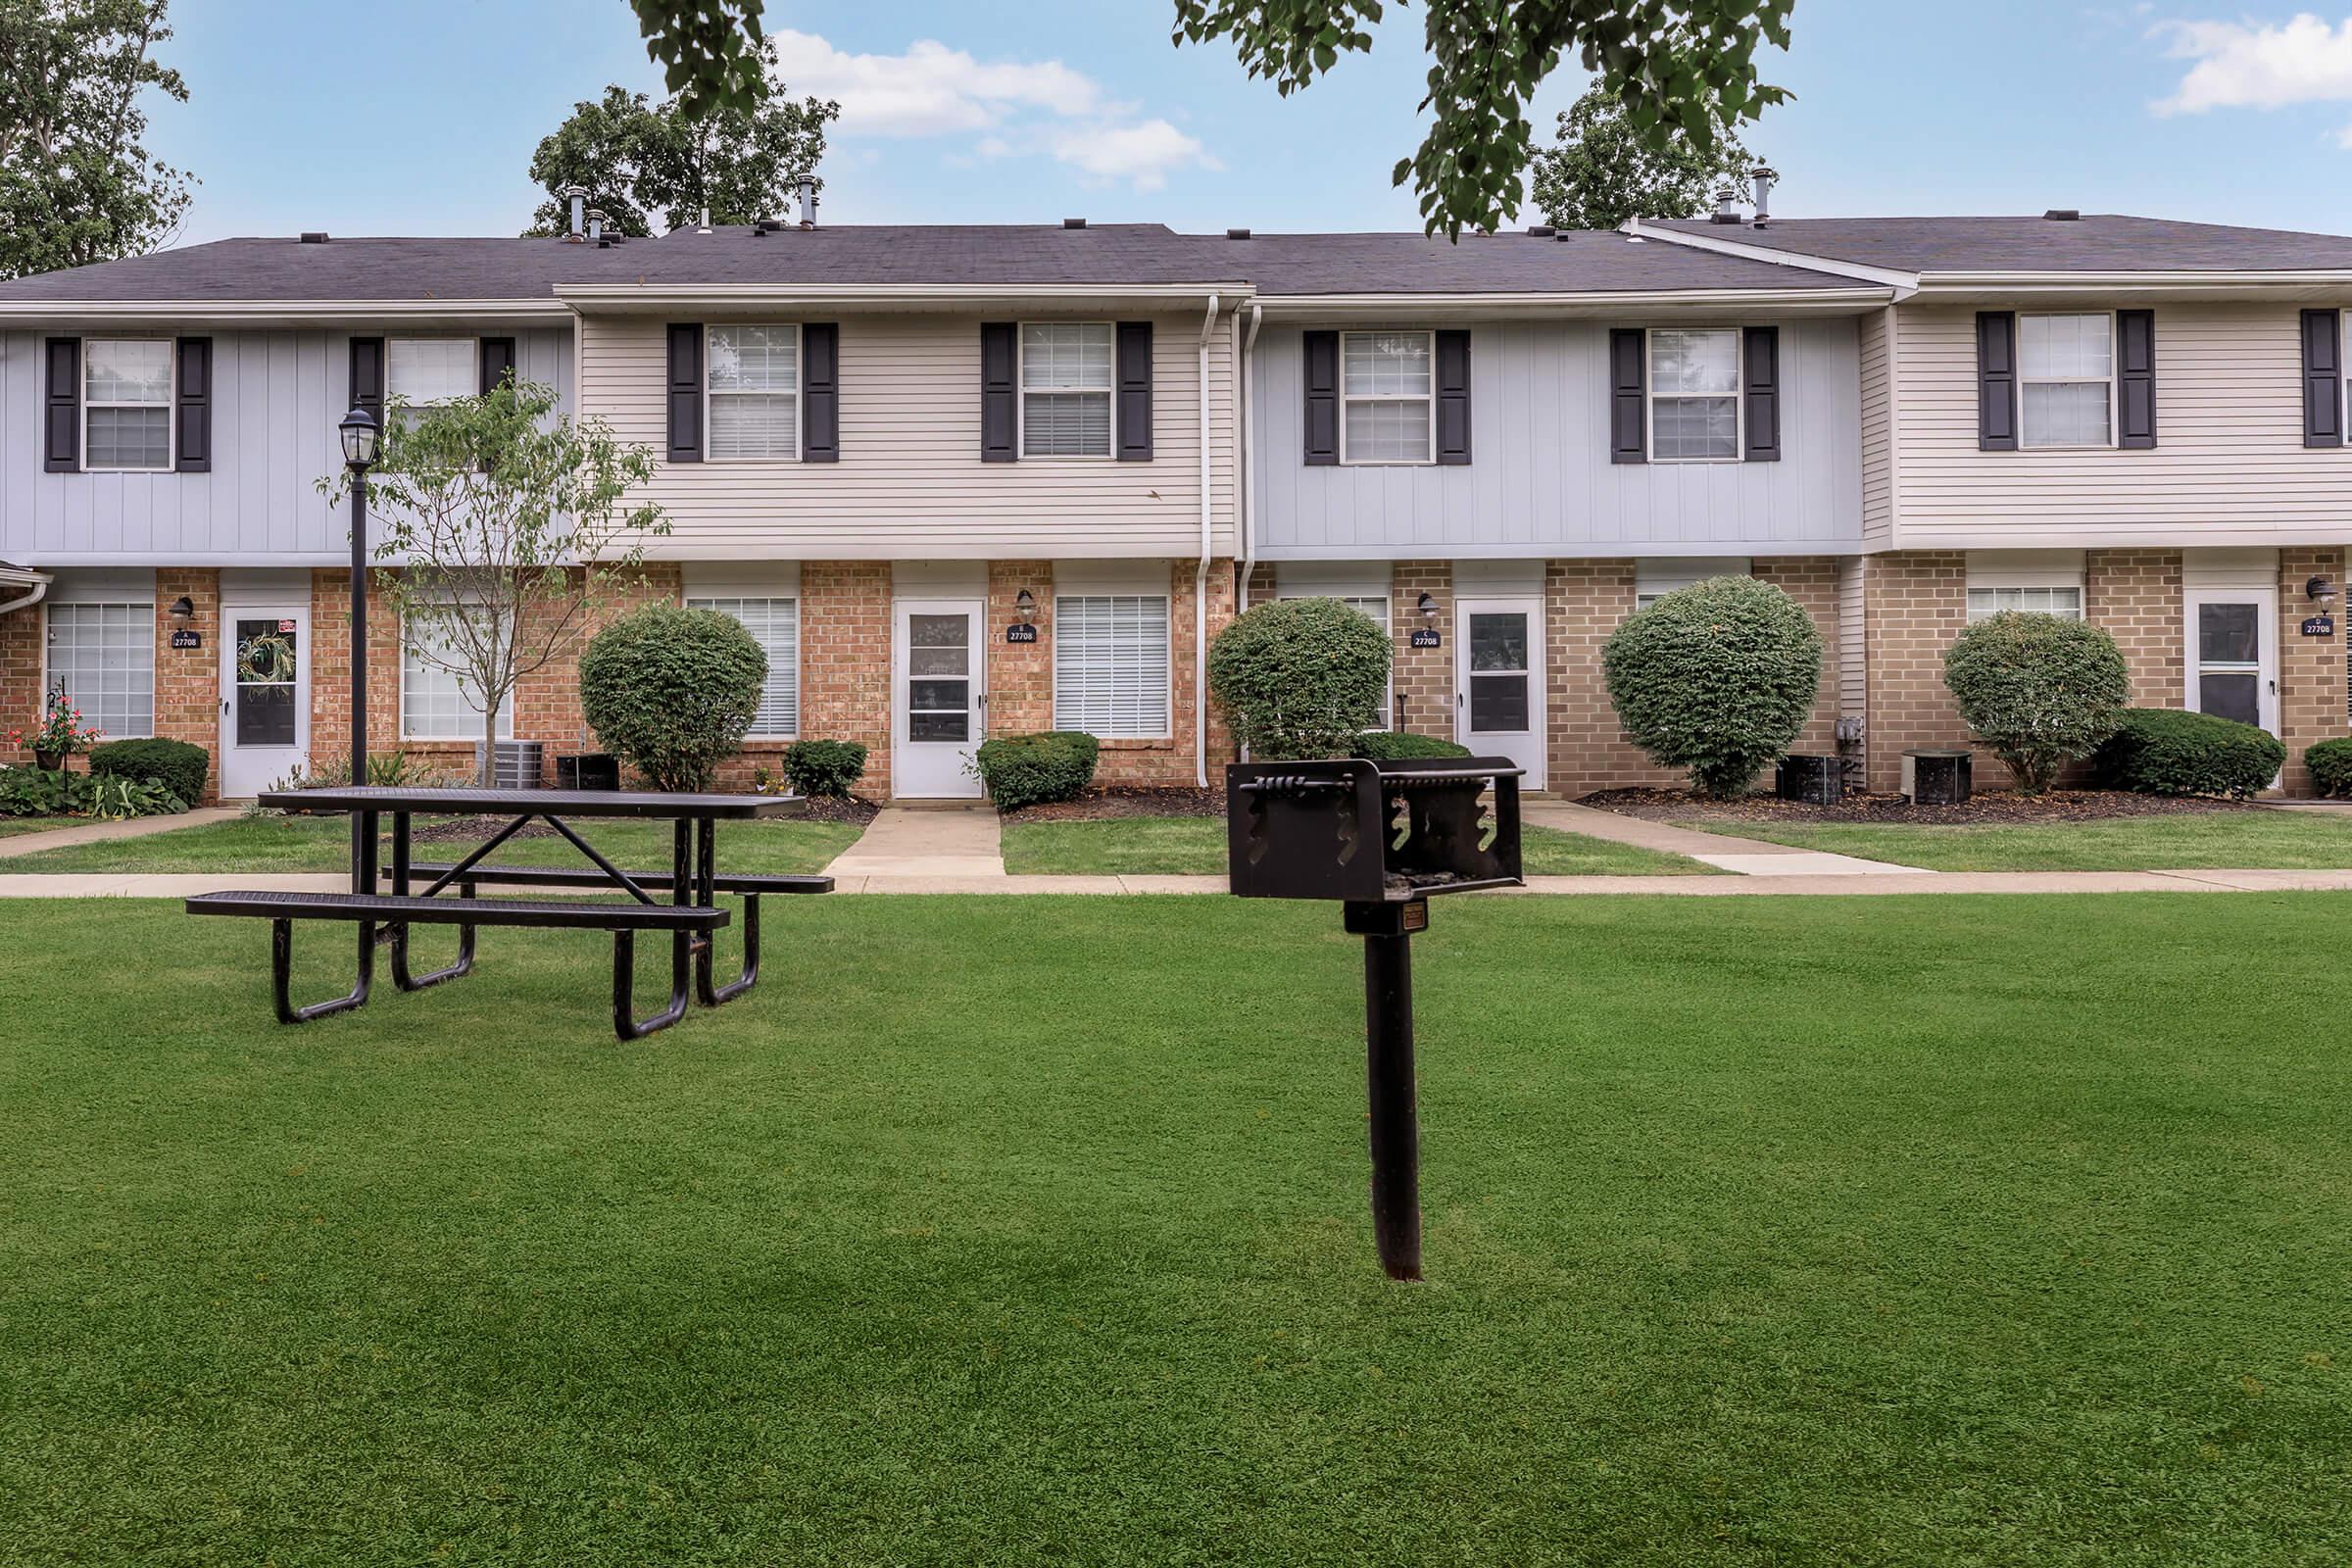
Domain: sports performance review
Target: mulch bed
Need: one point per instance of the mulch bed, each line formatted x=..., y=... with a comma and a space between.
x=1124, y=800
x=1990, y=809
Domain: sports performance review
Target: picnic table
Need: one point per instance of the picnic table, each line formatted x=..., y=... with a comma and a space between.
x=692, y=916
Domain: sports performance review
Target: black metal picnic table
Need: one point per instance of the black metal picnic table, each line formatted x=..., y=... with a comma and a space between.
x=692, y=916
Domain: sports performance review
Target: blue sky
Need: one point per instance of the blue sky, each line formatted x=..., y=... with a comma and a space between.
x=420, y=118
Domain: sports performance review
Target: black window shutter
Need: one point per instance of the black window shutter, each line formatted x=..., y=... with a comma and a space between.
x=497, y=362
x=61, y=406
x=1760, y=391
x=2135, y=379
x=821, y=392
x=367, y=377
x=685, y=392
x=195, y=413
x=1000, y=421
x=1454, y=397
x=1996, y=380
x=1135, y=391
x=2323, y=378
x=1627, y=380
x=1321, y=357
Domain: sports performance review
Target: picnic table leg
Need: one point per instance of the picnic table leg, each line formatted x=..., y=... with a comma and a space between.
x=401, y=976
x=282, y=974
x=625, y=1022
x=706, y=949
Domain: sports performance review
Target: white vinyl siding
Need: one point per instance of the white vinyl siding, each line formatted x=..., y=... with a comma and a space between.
x=1066, y=390
x=423, y=371
x=753, y=392
x=1389, y=411
x=1110, y=664
x=126, y=403
x=435, y=704
x=1694, y=395
x=2066, y=375
x=104, y=655
x=775, y=625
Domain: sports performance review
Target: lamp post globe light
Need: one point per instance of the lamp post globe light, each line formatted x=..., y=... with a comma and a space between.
x=360, y=433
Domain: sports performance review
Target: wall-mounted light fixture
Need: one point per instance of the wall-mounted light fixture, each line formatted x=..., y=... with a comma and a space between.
x=1428, y=608
x=1024, y=605
x=2319, y=588
x=183, y=610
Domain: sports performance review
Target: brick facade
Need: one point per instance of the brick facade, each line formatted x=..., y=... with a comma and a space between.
x=2311, y=669
x=845, y=660
x=187, y=680
x=2136, y=595
x=21, y=634
x=1914, y=604
x=1422, y=678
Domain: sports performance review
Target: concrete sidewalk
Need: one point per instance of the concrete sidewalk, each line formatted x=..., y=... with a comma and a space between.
x=138, y=827
x=1751, y=858
x=956, y=844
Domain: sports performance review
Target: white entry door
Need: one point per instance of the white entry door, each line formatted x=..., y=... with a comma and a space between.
x=1498, y=681
x=265, y=697
x=2232, y=652
x=938, y=704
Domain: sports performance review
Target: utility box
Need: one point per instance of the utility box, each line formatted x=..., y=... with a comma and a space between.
x=1359, y=832
x=1815, y=779
x=1933, y=777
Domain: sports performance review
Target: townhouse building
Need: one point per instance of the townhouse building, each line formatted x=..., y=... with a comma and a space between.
x=964, y=480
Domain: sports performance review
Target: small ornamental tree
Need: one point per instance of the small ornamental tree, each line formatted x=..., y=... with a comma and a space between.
x=2039, y=691
x=1717, y=678
x=673, y=690
x=1300, y=677
x=510, y=525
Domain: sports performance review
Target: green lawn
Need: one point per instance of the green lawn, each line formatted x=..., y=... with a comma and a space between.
x=2234, y=839
x=1194, y=846
x=13, y=825
x=1011, y=1230
x=323, y=843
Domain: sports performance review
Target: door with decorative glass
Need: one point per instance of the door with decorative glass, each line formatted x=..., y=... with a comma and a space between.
x=265, y=698
x=938, y=704
x=1499, y=676
x=2233, y=651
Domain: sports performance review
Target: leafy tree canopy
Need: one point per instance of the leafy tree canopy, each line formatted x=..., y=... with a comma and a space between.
x=76, y=182
x=645, y=163
x=1601, y=171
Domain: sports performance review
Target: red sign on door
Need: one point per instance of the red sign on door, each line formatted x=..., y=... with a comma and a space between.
x=285, y=626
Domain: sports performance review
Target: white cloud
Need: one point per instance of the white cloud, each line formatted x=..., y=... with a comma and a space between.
x=1023, y=106
x=2244, y=65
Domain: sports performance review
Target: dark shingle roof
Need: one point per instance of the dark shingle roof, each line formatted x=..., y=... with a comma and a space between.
x=2095, y=242
x=951, y=255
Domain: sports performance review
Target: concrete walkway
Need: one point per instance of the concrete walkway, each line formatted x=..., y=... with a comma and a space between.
x=956, y=845
x=1753, y=857
x=138, y=827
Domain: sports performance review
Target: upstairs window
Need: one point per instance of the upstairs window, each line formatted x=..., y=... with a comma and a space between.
x=1386, y=384
x=422, y=372
x=754, y=392
x=1065, y=389
x=1694, y=395
x=126, y=403
x=2066, y=366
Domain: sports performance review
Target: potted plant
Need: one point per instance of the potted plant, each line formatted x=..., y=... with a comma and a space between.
x=59, y=735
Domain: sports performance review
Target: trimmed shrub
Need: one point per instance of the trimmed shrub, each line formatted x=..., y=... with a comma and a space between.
x=823, y=770
x=1298, y=677
x=2164, y=751
x=673, y=690
x=1717, y=678
x=2330, y=764
x=2039, y=691
x=1401, y=745
x=1023, y=769
x=177, y=766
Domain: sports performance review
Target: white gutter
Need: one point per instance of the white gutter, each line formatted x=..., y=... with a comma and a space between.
x=39, y=582
x=1208, y=324
x=1249, y=476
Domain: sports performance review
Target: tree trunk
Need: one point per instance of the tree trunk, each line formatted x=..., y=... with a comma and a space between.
x=489, y=779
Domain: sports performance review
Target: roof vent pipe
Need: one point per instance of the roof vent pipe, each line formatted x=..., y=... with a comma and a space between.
x=805, y=187
x=1073, y=223
x=706, y=229
x=1727, y=205
x=1761, y=180
x=577, y=197
x=2064, y=215
x=596, y=222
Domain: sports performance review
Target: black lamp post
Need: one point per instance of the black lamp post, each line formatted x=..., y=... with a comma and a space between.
x=359, y=432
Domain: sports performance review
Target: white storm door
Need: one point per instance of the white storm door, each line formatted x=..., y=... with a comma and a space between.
x=1498, y=681
x=939, y=705
x=2233, y=651
x=264, y=698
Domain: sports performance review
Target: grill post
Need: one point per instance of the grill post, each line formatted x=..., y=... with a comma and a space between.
x=1390, y=1080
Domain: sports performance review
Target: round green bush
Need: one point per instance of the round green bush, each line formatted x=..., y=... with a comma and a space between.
x=2039, y=691
x=1717, y=678
x=2330, y=764
x=1023, y=769
x=824, y=770
x=1298, y=677
x=673, y=690
x=1401, y=746
x=177, y=765
x=2165, y=751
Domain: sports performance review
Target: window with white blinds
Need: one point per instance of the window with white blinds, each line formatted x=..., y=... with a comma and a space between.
x=2063, y=602
x=1110, y=664
x=755, y=395
x=1694, y=395
x=775, y=625
x=1065, y=389
x=104, y=655
x=126, y=403
x=2066, y=368
x=436, y=702
x=1388, y=384
x=423, y=371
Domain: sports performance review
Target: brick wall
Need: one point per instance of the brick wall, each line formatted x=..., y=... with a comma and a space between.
x=1812, y=581
x=20, y=632
x=845, y=660
x=1915, y=603
x=1170, y=762
x=1020, y=675
x=1584, y=601
x=2311, y=669
x=187, y=680
x=1423, y=677
x=2134, y=595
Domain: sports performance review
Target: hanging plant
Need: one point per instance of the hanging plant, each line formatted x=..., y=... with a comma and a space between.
x=266, y=658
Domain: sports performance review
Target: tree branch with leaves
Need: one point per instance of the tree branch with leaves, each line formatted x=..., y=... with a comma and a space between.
x=506, y=527
x=1600, y=171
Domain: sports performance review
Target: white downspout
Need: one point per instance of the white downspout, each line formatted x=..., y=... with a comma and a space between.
x=1208, y=324
x=1241, y=590
x=40, y=591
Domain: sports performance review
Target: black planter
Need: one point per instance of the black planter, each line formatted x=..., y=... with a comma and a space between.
x=593, y=771
x=1817, y=778
x=1933, y=777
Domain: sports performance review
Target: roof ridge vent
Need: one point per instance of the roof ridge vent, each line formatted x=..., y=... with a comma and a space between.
x=2063, y=214
x=314, y=236
x=1542, y=230
x=1073, y=223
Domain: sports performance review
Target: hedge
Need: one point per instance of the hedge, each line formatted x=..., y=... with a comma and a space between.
x=2330, y=764
x=1024, y=769
x=1718, y=678
x=2038, y=690
x=673, y=690
x=177, y=765
x=2164, y=751
x=824, y=770
x=1400, y=745
x=1300, y=677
